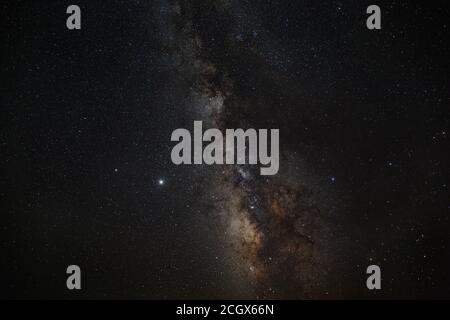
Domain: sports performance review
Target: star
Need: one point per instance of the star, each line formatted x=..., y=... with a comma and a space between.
x=161, y=182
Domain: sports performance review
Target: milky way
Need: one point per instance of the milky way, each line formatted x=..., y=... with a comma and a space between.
x=273, y=229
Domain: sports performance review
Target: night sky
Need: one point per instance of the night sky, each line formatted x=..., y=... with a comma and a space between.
x=87, y=178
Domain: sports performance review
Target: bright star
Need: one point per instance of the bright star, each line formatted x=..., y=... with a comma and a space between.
x=160, y=182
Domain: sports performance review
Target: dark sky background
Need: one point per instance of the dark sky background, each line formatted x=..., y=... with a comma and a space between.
x=86, y=119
